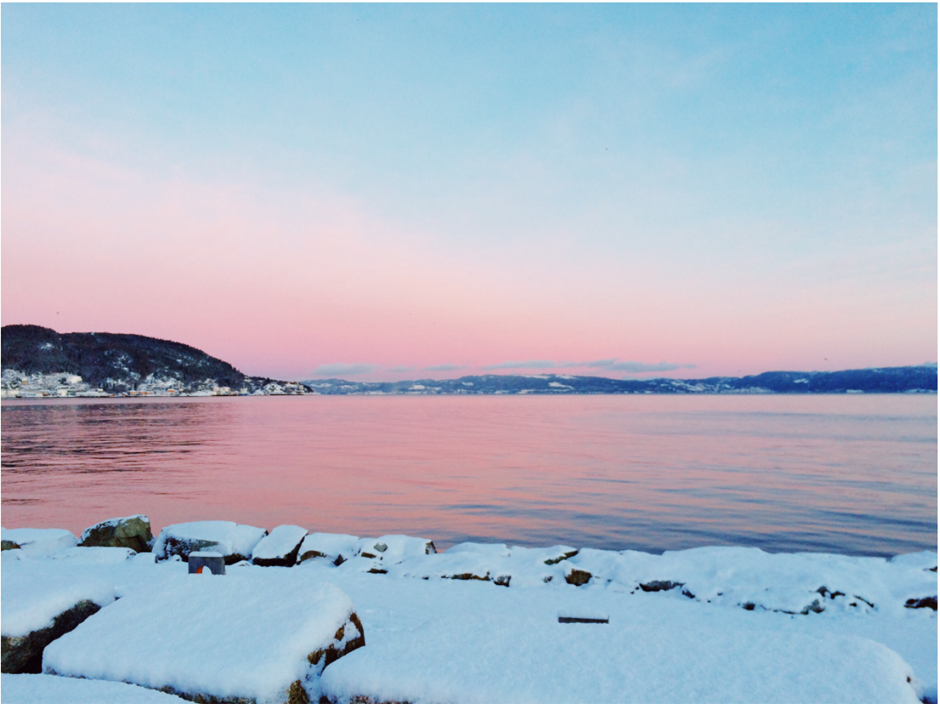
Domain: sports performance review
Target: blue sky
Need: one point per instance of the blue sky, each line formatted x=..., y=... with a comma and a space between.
x=724, y=186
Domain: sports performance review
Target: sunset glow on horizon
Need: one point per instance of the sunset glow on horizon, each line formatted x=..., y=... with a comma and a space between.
x=412, y=191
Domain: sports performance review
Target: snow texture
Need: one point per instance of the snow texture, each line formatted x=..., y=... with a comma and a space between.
x=392, y=549
x=47, y=689
x=223, y=536
x=673, y=603
x=279, y=543
x=522, y=661
x=330, y=545
x=39, y=541
x=33, y=597
x=206, y=635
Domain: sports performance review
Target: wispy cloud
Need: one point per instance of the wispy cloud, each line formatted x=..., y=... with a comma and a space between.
x=606, y=365
x=400, y=369
x=614, y=365
x=531, y=364
x=444, y=368
x=342, y=369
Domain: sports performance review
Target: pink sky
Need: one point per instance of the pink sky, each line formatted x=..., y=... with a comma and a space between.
x=280, y=283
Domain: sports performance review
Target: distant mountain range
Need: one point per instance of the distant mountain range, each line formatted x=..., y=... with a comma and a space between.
x=39, y=362
x=886, y=380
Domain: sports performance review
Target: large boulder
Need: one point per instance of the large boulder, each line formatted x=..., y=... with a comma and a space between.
x=132, y=532
x=280, y=547
x=216, y=639
x=498, y=657
x=38, y=607
x=234, y=541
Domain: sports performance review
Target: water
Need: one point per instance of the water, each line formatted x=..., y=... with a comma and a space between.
x=846, y=474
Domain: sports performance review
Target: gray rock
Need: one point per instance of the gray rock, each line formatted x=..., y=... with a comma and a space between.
x=928, y=602
x=132, y=532
x=660, y=585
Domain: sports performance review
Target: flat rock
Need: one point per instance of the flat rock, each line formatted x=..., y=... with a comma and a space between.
x=335, y=547
x=131, y=532
x=215, y=639
x=38, y=608
x=479, y=658
x=236, y=542
x=280, y=547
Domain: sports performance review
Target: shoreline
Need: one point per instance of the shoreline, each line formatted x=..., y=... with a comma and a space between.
x=471, y=592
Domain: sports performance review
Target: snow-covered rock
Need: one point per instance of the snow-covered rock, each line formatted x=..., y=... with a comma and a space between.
x=482, y=658
x=208, y=636
x=37, y=608
x=132, y=532
x=712, y=592
x=392, y=549
x=48, y=689
x=280, y=547
x=38, y=541
x=236, y=542
x=335, y=547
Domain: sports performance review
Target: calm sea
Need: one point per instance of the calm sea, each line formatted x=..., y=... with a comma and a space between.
x=846, y=474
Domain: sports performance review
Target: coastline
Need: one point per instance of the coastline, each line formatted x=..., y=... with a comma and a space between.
x=407, y=595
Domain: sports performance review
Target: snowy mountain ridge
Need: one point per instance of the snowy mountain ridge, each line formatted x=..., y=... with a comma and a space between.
x=913, y=379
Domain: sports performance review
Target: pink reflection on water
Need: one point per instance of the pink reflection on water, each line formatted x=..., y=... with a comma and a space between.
x=846, y=474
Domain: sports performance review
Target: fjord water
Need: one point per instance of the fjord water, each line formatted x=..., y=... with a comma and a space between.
x=845, y=474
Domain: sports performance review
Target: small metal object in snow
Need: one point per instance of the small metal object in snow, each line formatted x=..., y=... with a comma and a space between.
x=582, y=619
x=205, y=561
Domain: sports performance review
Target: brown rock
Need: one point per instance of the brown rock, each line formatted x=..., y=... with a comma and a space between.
x=132, y=532
x=578, y=577
x=341, y=645
x=23, y=654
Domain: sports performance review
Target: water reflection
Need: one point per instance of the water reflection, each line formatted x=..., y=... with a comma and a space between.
x=845, y=474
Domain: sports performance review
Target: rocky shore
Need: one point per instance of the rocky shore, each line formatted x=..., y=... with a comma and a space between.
x=294, y=616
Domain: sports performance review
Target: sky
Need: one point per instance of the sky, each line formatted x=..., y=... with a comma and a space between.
x=386, y=192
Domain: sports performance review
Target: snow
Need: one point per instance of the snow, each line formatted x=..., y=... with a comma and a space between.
x=329, y=545
x=214, y=636
x=229, y=538
x=39, y=541
x=33, y=596
x=279, y=542
x=47, y=689
x=392, y=549
x=421, y=615
x=523, y=660
x=93, y=555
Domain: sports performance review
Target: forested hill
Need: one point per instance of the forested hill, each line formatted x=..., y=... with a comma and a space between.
x=44, y=359
x=922, y=379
